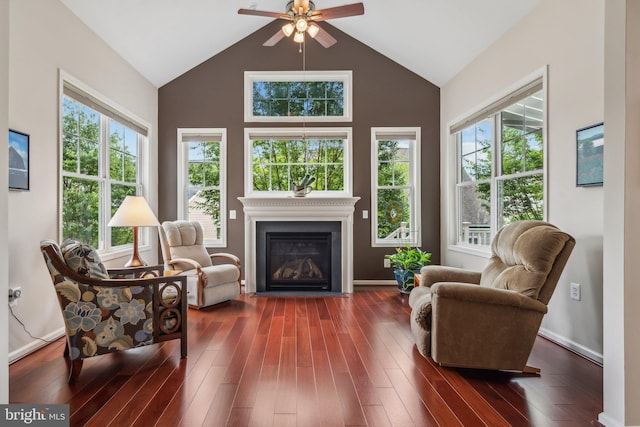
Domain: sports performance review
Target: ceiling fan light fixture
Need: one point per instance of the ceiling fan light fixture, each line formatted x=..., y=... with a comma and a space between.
x=299, y=37
x=288, y=29
x=313, y=30
x=302, y=25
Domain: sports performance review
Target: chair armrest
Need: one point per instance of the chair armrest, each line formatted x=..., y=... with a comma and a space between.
x=227, y=256
x=136, y=272
x=194, y=264
x=483, y=295
x=436, y=273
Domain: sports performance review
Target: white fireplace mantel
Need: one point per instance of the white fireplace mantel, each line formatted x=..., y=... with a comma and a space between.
x=309, y=208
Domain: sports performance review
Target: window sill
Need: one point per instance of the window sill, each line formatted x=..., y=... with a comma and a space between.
x=124, y=252
x=480, y=251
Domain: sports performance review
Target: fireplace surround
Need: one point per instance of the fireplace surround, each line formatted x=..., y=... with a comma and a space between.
x=302, y=256
x=314, y=209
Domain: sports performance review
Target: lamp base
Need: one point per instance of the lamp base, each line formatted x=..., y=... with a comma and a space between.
x=135, y=260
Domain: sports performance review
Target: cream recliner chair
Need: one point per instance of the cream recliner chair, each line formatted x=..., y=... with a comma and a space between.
x=490, y=320
x=183, y=249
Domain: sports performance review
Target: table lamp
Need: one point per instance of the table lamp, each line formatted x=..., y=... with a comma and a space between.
x=134, y=212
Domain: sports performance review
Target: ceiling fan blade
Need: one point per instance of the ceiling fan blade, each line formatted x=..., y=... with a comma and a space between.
x=274, y=39
x=263, y=13
x=324, y=38
x=338, y=12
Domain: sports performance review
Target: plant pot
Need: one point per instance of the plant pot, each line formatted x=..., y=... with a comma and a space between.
x=405, y=279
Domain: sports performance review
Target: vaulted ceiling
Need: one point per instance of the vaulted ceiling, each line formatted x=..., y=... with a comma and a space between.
x=435, y=39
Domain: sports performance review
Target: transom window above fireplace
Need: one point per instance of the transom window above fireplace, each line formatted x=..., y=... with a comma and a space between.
x=277, y=158
x=297, y=96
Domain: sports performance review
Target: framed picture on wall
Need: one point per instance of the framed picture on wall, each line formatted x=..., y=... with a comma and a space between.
x=590, y=155
x=18, y=161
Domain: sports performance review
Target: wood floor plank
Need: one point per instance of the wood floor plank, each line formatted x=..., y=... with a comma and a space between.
x=309, y=362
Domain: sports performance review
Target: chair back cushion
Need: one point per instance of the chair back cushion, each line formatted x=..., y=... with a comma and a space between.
x=525, y=255
x=186, y=240
x=83, y=259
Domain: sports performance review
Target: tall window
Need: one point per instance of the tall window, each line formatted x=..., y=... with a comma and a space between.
x=500, y=175
x=395, y=186
x=278, y=158
x=297, y=96
x=101, y=151
x=202, y=182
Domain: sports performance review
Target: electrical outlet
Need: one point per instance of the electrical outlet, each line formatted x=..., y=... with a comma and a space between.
x=14, y=293
x=574, y=291
x=387, y=263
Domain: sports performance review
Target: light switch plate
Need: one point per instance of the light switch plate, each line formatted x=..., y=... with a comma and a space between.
x=232, y=214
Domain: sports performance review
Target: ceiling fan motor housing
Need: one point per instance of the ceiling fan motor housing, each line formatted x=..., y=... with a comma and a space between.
x=290, y=4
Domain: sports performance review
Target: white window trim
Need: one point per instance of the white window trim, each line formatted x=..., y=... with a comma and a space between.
x=144, y=244
x=346, y=77
x=263, y=133
x=452, y=156
x=415, y=172
x=182, y=157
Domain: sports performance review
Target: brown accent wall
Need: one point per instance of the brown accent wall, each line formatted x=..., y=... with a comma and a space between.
x=384, y=94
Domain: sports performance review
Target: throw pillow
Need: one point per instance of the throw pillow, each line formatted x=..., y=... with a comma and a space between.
x=83, y=259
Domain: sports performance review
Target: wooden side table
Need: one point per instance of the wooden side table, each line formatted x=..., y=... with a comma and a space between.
x=416, y=280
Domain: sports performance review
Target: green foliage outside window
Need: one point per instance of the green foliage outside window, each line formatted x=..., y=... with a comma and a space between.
x=83, y=186
x=278, y=163
x=519, y=178
x=298, y=98
x=204, y=187
x=394, y=186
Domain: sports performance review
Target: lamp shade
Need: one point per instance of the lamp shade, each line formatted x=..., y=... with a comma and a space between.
x=134, y=212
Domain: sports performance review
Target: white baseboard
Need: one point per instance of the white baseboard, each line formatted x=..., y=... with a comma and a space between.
x=572, y=345
x=35, y=345
x=375, y=282
x=606, y=420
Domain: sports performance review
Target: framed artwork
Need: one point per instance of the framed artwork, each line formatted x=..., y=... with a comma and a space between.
x=18, y=161
x=590, y=155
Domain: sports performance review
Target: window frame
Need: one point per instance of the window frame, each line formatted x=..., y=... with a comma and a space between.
x=183, y=170
x=344, y=76
x=79, y=92
x=267, y=133
x=377, y=134
x=492, y=110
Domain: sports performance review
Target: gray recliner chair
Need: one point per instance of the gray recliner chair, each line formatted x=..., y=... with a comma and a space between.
x=183, y=250
x=490, y=319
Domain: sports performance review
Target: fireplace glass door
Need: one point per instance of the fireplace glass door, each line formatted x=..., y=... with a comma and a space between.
x=298, y=261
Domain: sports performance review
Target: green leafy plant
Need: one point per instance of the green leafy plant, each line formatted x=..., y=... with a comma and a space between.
x=408, y=258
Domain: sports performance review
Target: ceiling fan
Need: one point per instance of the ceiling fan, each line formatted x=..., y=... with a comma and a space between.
x=302, y=15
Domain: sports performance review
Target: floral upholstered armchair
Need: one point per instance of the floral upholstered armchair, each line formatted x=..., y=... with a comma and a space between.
x=103, y=314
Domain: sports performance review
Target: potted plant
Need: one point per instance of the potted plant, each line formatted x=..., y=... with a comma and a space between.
x=406, y=262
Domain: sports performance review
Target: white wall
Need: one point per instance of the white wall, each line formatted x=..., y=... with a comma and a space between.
x=4, y=174
x=622, y=205
x=567, y=37
x=44, y=38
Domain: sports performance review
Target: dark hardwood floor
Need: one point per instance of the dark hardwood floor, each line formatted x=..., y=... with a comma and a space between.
x=307, y=361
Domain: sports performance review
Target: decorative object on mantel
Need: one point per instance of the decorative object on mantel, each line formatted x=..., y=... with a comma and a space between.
x=304, y=187
x=406, y=263
x=590, y=155
x=302, y=16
